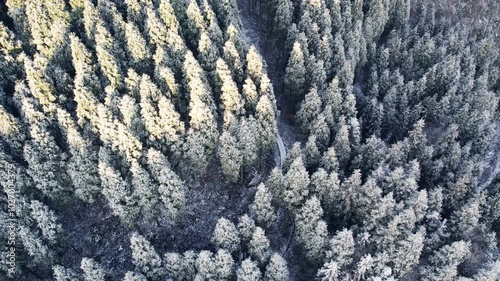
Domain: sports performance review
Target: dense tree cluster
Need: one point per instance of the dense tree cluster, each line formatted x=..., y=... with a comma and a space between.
x=398, y=106
x=121, y=104
x=126, y=106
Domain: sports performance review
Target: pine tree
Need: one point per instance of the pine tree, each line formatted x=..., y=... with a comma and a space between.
x=49, y=24
x=296, y=184
x=250, y=94
x=341, y=248
x=276, y=269
x=275, y=184
x=255, y=65
x=145, y=257
x=262, y=208
x=207, y=53
x=47, y=222
x=205, y=266
x=46, y=160
x=283, y=17
x=137, y=47
x=230, y=157
x=233, y=59
x=202, y=134
x=291, y=155
x=311, y=152
x=62, y=273
x=224, y=265
x=342, y=145
x=312, y=231
x=309, y=110
x=248, y=271
x=259, y=246
x=266, y=121
x=246, y=227
x=161, y=119
x=443, y=263
x=231, y=99
x=173, y=263
x=295, y=76
x=92, y=270
x=195, y=24
x=247, y=136
x=134, y=276
x=37, y=249
x=82, y=167
x=171, y=189
x=117, y=191
x=226, y=236
x=329, y=160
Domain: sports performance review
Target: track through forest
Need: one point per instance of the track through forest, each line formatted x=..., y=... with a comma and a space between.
x=256, y=31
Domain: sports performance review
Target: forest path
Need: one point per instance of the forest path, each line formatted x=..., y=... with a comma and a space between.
x=256, y=32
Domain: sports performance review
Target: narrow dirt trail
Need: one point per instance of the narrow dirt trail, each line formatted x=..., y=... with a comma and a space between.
x=255, y=31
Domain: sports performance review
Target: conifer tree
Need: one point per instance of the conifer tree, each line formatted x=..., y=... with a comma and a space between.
x=137, y=47
x=276, y=269
x=145, y=257
x=117, y=191
x=47, y=222
x=248, y=271
x=266, y=121
x=207, y=53
x=341, y=248
x=161, y=119
x=224, y=264
x=311, y=152
x=226, y=236
x=443, y=263
x=82, y=167
x=46, y=160
x=275, y=184
x=251, y=95
x=233, y=59
x=295, y=77
x=202, y=134
x=36, y=248
x=246, y=226
x=231, y=99
x=92, y=270
x=255, y=65
x=205, y=266
x=247, y=137
x=49, y=23
x=262, y=208
x=291, y=155
x=312, y=231
x=342, y=145
x=283, y=17
x=309, y=109
x=62, y=273
x=230, y=157
x=173, y=263
x=259, y=246
x=134, y=276
x=296, y=184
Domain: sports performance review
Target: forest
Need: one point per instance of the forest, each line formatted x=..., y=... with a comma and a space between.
x=249, y=140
